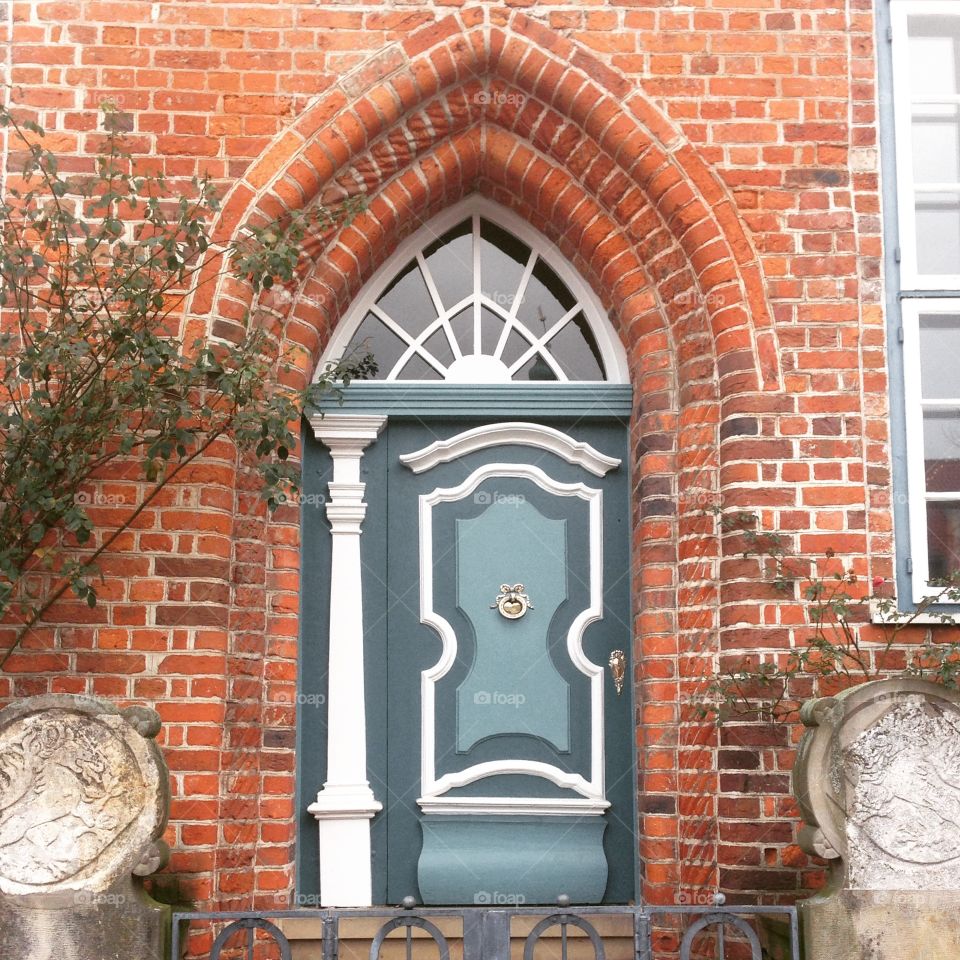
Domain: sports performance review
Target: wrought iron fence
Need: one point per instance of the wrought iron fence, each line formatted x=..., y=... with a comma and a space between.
x=716, y=931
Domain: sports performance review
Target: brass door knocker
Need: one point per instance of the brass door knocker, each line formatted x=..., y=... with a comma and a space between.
x=512, y=602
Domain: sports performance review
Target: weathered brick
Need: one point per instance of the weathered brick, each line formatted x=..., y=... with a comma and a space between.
x=695, y=167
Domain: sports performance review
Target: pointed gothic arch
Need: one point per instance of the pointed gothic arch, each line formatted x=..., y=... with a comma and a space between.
x=499, y=106
x=500, y=90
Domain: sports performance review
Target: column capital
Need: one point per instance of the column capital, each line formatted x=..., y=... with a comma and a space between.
x=347, y=433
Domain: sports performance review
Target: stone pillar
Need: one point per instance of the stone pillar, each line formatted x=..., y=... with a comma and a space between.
x=346, y=804
x=84, y=797
x=877, y=779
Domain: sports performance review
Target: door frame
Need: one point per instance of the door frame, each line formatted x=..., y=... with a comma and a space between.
x=539, y=403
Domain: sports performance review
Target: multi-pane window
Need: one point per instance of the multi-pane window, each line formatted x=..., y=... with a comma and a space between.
x=925, y=37
x=478, y=305
x=926, y=41
x=932, y=378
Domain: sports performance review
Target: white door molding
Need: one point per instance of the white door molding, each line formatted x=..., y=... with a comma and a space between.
x=433, y=787
x=346, y=804
x=518, y=806
x=519, y=432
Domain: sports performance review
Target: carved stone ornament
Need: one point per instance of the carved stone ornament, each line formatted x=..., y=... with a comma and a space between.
x=84, y=795
x=878, y=782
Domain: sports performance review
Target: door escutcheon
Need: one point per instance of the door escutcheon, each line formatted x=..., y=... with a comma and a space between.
x=512, y=602
x=618, y=667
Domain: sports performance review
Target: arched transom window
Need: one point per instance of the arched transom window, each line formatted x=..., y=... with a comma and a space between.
x=473, y=302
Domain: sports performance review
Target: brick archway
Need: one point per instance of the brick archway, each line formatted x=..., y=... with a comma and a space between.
x=504, y=107
x=409, y=108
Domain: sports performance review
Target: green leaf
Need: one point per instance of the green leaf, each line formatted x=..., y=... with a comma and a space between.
x=104, y=378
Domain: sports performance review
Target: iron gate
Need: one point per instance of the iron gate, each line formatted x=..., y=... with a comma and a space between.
x=486, y=933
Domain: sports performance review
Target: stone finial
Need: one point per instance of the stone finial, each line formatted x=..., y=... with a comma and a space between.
x=877, y=778
x=878, y=781
x=84, y=800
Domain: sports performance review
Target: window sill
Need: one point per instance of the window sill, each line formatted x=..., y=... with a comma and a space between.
x=923, y=620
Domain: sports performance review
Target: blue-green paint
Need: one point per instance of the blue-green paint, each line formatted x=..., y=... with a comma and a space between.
x=397, y=647
x=512, y=685
x=573, y=513
x=507, y=860
x=312, y=673
x=507, y=401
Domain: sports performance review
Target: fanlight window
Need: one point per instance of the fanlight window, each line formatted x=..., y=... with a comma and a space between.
x=478, y=305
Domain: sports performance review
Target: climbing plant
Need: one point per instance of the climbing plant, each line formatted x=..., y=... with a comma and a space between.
x=95, y=270
x=852, y=629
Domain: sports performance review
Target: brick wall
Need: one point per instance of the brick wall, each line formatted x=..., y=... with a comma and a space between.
x=711, y=170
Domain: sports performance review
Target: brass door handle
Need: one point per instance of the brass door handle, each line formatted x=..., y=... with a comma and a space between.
x=618, y=668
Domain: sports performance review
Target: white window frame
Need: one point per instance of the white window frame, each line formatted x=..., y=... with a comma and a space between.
x=916, y=463
x=611, y=349
x=916, y=293
x=900, y=11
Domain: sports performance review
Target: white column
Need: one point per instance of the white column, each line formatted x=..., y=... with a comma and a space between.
x=346, y=804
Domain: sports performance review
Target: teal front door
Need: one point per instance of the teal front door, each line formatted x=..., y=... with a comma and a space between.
x=501, y=594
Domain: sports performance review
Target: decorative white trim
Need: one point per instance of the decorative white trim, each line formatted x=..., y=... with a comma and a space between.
x=611, y=349
x=337, y=801
x=914, y=405
x=350, y=431
x=346, y=803
x=432, y=787
x=493, y=768
x=901, y=11
x=525, y=806
x=516, y=432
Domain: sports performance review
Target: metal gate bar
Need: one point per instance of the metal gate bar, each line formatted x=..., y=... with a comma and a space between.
x=486, y=933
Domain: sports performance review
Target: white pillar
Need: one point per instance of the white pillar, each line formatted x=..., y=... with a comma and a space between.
x=346, y=804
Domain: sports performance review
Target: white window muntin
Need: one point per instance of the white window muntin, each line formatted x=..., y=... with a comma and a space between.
x=916, y=405
x=905, y=102
x=611, y=349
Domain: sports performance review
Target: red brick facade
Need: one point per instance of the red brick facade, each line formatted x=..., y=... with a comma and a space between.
x=712, y=171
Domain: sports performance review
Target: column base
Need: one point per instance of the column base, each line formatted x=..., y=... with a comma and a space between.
x=343, y=813
x=881, y=925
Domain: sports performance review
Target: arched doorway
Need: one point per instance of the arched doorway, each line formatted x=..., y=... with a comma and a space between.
x=466, y=720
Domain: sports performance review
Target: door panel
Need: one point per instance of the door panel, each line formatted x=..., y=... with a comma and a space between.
x=518, y=523
x=518, y=683
x=535, y=701
x=508, y=753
